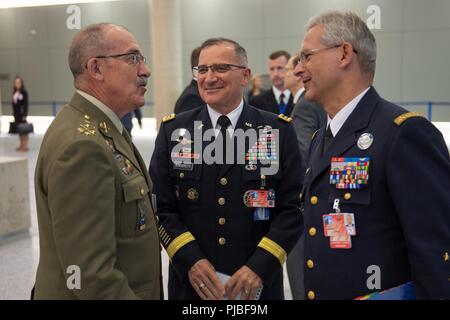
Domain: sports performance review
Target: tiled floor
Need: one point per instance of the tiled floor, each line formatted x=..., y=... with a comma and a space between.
x=19, y=257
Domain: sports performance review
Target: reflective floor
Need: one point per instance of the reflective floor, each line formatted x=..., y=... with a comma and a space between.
x=19, y=256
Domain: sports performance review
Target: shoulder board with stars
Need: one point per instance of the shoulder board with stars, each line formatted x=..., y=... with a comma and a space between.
x=284, y=118
x=86, y=127
x=402, y=118
x=168, y=118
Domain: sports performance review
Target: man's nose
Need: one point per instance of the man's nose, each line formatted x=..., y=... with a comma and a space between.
x=298, y=70
x=144, y=70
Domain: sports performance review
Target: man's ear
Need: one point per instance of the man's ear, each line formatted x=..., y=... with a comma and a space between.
x=348, y=55
x=247, y=76
x=95, y=69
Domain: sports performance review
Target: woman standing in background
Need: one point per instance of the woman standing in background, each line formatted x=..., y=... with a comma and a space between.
x=20, y=110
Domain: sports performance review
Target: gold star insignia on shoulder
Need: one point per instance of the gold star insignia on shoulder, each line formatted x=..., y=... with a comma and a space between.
x=168, y=118
x=104, y=126
x=87, y=117
x=87, y=129
x=284, y=118
x=408, y=115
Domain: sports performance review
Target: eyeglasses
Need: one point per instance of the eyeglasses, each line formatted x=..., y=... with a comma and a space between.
x=219, y=68
x=305, y=56
x=135, y=57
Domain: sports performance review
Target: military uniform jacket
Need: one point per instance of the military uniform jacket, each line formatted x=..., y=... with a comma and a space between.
x=202, y=212
x=94, y=211
x=401, y=217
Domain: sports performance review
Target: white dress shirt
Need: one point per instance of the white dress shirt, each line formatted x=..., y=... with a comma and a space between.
x=277, y=93
x=298, y=94
x=233, y=116
x=339, y=119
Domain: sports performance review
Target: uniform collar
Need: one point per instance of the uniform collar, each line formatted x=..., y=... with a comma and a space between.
x=233, y=116
x=339, y=119
x=104, y=108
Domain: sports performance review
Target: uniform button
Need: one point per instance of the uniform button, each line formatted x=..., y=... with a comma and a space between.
x=224, y=181
x=312, y=231
x=221, y=201
x=181, y=175
x=222, y=221
x=311, y=295
x=314, y=200
x=310, y=264
x=347, y=196
x=222, y=241
x=142, y=191
x=263, y=177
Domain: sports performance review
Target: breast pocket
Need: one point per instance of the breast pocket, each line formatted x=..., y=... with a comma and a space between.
x=350, y=196
x=187, y=188
x=253, y=181
x=135, y=209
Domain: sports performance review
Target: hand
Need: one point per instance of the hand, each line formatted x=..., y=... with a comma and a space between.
x=204, y=280
x=244, y=280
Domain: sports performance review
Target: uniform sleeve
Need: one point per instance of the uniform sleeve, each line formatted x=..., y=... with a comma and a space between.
x=179, y=242
x=305, y=124
x=418, y=173
x=81, y=195
x=287, y=225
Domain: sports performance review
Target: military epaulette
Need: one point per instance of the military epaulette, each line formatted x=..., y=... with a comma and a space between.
x=168, y=118
x=86, y=127
x=314, y=134
x=284, y=118
x=402, y=118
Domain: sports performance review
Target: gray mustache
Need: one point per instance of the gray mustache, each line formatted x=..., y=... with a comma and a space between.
x=141, y=81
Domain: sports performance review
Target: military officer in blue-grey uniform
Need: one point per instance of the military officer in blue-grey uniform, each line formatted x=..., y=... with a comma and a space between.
x=227, y=227
x=376, y=196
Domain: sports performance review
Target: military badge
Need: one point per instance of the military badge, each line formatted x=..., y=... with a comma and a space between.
x=365, y=141
x=192, y=194
x=349, y=173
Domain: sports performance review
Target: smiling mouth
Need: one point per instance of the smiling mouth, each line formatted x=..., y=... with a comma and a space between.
x=212, y=89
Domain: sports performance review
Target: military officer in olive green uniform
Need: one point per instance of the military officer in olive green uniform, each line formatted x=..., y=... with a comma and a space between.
x=97, y=229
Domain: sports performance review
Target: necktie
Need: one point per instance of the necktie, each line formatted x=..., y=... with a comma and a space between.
x=282, y=104
x=328, y=138
x=224, y=123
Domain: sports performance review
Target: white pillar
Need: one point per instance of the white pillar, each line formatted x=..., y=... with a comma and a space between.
x=165, y=21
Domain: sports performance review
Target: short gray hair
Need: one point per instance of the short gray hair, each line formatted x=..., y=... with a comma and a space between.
x=87, y=43
x=347, y=26
x=238, y=49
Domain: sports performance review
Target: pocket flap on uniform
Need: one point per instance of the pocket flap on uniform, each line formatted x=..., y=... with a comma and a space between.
x=135, y=188
x=253, y=172
x=353, y=196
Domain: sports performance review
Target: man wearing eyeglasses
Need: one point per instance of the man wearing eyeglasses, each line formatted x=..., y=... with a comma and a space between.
x=226, y=225
x=97, y=229
x=375, y=199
